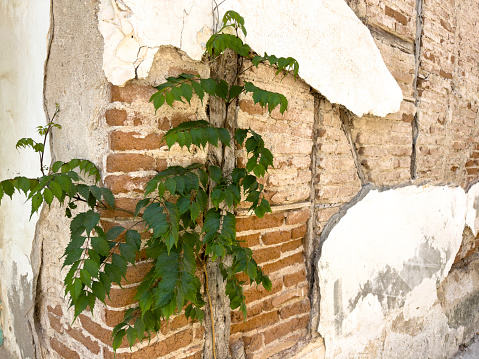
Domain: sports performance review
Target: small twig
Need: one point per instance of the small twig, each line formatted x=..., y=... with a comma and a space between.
x=211, y=309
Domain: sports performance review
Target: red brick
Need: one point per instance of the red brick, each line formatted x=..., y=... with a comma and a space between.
x=121, y=141
x=295, y=309
x=127, y=204
x=294, y=278
x=284, y=329
x=297, y=217
x=55, y=323
x=91, y=345
x=298, y=232
x=258, y=322
x=291, y=246
x=63, y=350
x=250, y=107
x=259, y=292
x=135, y=274
x=283, y=263
x=200, y=332
x=266, y=254
x=57, y=310
x=396, y=15
x=446, y=75
x=126, y=183
x=115, y=117
x=129, y=162
x=161, y=164
x=276, y=237
x=174, y=324
x=249, y=240
x=253, y=222
x=113, y=317
x=132, y=93
x=253, y=343
x=237, y=315
x=120, y=297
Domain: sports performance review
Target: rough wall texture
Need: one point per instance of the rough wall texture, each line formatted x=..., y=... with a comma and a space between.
x=328, y=164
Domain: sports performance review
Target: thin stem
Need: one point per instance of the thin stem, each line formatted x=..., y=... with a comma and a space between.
x=211, y=310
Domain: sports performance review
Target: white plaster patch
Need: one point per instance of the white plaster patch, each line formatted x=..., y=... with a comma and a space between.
x=336, y=52
x=472, y=219
x=386, y=256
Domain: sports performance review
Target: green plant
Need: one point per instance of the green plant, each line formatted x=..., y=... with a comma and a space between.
x=188, y=212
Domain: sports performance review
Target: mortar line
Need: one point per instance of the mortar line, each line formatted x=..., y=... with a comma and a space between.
x=417, y=63
x=346, y=127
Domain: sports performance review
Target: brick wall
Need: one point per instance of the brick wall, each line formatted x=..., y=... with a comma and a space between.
x=323, y=154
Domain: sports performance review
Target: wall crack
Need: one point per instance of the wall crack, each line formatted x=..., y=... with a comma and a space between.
x=417, y=97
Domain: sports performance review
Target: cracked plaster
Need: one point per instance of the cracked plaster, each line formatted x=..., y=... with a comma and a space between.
x=336, y=52
x=382, y=264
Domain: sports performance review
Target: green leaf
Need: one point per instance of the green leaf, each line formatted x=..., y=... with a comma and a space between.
x=186, y=92
x=234, y=91
x=91, y=220
x=108, y=196
x=91, y=267
x=131, y=336
x=240, y=135
x=170, y=185
x=215, y=173
x=48, y=195
x=23, y=184
x=100, y=245
x=194, y=210
x=221, y=89
x=209, y=86
x=114, y=232
x=8, y=188
x=99, y=291
x=198, y=90
x=128, y=252
x=118, y=338
x=169, y=98
x=85, y=277
x=133, y=238
x=37, y=201
x=183, y=204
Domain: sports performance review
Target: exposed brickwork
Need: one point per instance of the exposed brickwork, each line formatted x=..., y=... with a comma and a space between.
x=317, y=171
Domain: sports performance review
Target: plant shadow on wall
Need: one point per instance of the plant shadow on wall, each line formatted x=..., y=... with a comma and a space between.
x=186, y=212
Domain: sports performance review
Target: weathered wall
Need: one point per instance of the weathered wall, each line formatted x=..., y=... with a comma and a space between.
x=372, y=242
x=24, y=29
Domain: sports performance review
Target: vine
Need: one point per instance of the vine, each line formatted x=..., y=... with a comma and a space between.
x=188, y=212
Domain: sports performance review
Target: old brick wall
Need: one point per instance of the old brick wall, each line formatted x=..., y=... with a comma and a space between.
x=324, y=155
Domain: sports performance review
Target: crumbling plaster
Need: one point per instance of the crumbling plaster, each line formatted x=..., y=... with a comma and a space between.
x=379, y=297
x=24, y=26
x=336, y=52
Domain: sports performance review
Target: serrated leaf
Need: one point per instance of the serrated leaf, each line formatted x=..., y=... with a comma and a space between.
x=108, y=196
x=209, y=86
x=169, y=98
x=198, y=90
x=37, y=201
x=234, y=91
x=91, y=220
x=221, y=89
x=99, y=291
x=133, y=238
x=118, y=338
x=85, y=277
x=48, y=195
x=23, y=184
x=128, y=252
x=215, y=173
x=92, y=267
x=114, y=232
x=8, y=188
x=240, y=135
x=170, y=185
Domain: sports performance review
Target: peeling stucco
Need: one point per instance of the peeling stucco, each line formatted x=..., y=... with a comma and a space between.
x=24, y=27
x=336, y=52
x=381, y=266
